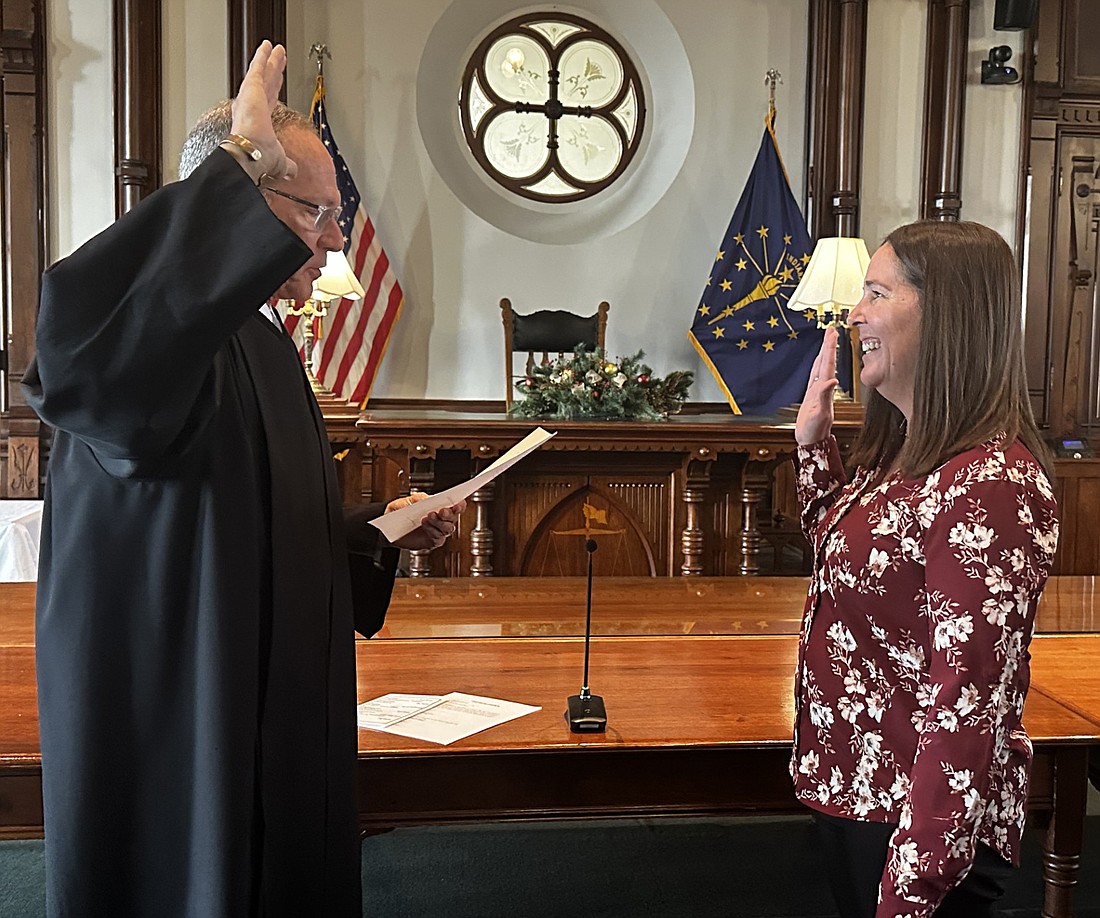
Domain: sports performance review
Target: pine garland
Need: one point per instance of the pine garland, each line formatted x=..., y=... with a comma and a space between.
x=590, y=385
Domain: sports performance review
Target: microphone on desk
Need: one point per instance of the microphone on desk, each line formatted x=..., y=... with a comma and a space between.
x=586, y=713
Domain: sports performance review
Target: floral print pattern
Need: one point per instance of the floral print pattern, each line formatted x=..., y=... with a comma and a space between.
x=913, y=662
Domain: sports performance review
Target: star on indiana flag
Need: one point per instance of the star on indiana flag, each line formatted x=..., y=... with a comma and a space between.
x=759, y=351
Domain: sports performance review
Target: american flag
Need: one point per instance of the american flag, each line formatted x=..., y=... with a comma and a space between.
x=355, y=333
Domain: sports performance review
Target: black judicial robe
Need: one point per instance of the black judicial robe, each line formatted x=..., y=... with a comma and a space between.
x=195, y=653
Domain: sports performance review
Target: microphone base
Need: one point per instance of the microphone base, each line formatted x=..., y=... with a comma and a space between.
x=586, y=715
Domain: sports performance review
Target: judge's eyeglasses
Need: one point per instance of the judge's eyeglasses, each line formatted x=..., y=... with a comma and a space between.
x=322, y=213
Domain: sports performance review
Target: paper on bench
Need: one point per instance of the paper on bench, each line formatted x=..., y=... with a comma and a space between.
x=401, y=522
x=439, y=719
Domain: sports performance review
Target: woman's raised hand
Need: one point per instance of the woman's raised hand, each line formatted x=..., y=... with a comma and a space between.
x=815, y=415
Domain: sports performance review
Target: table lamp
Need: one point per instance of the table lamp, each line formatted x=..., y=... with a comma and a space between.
x=337, y=281
x=832, y=286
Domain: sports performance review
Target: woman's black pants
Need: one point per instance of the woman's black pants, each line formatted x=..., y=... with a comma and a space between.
x=855, y=858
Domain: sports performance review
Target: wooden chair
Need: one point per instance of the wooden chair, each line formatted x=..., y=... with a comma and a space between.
x=549, y=331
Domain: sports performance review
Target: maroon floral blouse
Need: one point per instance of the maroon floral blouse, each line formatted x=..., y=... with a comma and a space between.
x=913, y=660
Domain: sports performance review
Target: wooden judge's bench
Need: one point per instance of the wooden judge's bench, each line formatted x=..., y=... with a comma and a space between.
x=700, y=494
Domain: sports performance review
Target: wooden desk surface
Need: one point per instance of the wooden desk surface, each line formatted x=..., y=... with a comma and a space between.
x=659, y=691
x=554, y=606
x=1067, y=667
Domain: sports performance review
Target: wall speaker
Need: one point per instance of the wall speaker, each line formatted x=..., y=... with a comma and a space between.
x=1014, y=15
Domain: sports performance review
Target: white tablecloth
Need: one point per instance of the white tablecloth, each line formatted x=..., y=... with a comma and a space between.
x=20, y=528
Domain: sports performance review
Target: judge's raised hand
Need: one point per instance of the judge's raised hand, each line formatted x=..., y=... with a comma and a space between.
x=435, y=528
x=253, y=106
x=815, y=414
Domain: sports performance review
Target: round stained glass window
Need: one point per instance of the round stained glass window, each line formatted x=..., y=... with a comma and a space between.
x=551, y=107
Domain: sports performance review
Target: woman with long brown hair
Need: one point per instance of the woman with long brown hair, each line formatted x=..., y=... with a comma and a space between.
x=930, y=560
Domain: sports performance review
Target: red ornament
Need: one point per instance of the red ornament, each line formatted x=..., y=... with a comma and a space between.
x=643, y=378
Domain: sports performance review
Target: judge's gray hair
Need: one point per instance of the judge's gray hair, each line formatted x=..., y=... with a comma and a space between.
x=213, y=127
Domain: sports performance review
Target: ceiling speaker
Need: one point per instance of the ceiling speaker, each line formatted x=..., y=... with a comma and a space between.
x=1013, y=15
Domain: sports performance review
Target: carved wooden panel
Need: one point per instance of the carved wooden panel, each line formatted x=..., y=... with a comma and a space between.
x=22, y=229
x=22, y=468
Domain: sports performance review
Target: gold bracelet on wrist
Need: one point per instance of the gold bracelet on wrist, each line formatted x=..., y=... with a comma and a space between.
x=246, y=146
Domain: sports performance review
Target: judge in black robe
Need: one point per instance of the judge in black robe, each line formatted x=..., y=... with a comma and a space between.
x=195, y=653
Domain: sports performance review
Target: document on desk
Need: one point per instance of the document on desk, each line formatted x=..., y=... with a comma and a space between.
x=401, y=522
x=439, y=719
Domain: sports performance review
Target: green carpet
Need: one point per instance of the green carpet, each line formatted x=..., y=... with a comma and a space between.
x=641, y=868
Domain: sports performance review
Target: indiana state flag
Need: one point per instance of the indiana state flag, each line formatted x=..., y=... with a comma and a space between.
x=759, y=351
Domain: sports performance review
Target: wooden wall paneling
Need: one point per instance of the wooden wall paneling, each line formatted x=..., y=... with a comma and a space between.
x=1080, y=48
x=137, y=93
x=1077, y=487
x=23, y=233
x=837, y=52
x=250, y=22
x=1061, y=175
x=1072, y=285
x=944, y=85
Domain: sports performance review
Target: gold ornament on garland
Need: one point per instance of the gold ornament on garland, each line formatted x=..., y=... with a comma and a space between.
x=588, y=384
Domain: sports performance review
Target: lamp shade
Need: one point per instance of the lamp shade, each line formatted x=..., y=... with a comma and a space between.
x=833, y=280
x=337, y=280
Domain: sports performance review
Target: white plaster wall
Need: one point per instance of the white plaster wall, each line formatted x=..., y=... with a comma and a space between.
x=893, y=128
x=80, y=122
x=194, y=70
x=453, y=265
x=892, y=116
x=991, y=141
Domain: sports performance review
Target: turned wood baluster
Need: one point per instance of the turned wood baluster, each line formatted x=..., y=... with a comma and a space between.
x=696, y=481
x=755, y=489
x=1065, y=835
x=421, y=478
x=481, y=537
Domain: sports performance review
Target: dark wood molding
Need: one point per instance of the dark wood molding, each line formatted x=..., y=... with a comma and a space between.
x=944, y=90
x=837, y=64
x=136, y=28
x=23, y=232
x=250, y=22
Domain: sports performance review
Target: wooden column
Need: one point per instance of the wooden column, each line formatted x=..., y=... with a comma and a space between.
x=944, y=91
x=250, y=22
x=23, y=209
x=836, y=75
x=137, y=59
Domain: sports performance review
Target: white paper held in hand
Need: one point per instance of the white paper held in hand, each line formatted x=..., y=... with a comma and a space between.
x=401, y=522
